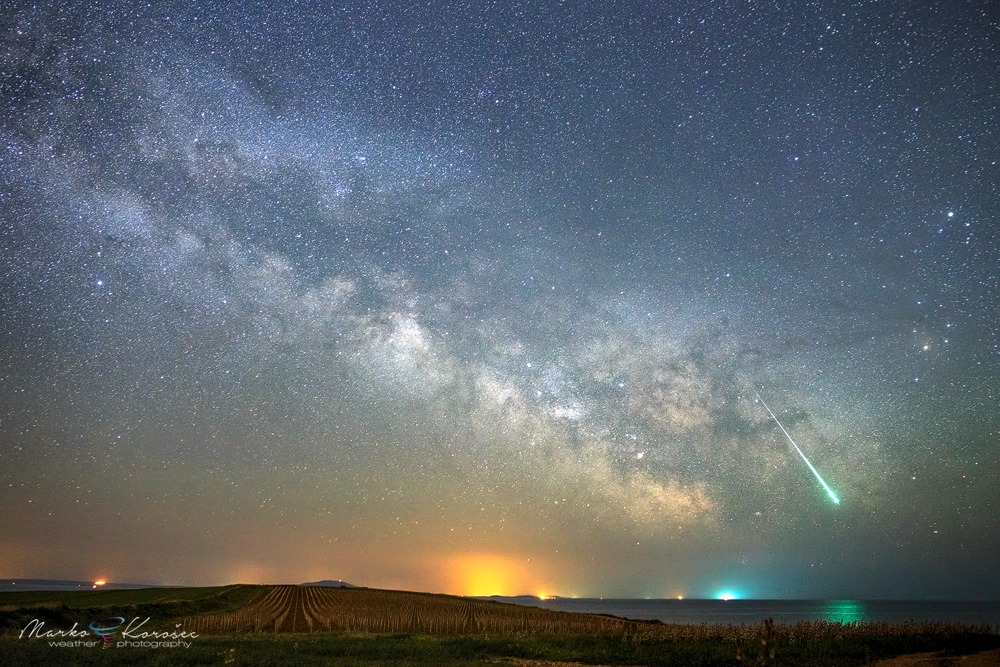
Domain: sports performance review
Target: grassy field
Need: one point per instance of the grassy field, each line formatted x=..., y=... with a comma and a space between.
x=98, y=598
x=294, y=625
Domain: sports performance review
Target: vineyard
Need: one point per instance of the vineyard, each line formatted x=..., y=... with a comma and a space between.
x=321, y=609
x=311, y=625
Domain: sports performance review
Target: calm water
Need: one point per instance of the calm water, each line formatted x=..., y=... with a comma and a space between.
x=786, y=611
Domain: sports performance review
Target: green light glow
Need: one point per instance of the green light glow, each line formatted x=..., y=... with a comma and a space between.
x=844, y=611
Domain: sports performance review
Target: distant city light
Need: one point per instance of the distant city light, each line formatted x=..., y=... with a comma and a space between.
x=727, y=596
x=99, y=583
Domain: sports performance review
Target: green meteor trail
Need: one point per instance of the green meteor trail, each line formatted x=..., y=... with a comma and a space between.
x=822, y=482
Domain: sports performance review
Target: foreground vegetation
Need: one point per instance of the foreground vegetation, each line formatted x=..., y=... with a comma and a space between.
x=252, y=625
x=447, y=650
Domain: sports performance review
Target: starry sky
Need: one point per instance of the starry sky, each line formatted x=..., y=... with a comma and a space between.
x=475, y=297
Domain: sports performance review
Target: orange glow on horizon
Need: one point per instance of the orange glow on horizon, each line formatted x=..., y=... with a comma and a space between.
x=482, y=574
x=99, y=583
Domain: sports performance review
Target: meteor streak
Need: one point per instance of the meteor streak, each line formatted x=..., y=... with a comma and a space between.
x=826, y=487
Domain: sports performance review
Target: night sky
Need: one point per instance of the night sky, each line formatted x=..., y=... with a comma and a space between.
x=475, y=297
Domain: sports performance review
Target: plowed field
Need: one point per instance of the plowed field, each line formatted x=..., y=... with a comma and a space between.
x=321, y=609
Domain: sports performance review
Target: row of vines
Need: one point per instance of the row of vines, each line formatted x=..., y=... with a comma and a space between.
x=288, y=609
x=321, y=609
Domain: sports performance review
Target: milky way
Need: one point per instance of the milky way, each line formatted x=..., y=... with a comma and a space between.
x=475, y=298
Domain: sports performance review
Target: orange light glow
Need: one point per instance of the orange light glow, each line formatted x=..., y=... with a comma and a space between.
x=99, y=583
x=486, y=574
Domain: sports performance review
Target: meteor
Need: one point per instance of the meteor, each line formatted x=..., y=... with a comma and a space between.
x=826, y=487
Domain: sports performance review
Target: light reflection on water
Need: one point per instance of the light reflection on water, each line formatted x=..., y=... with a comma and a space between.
x=784, y=611
x=844, y=611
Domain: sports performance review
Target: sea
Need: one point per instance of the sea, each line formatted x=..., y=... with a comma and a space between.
x=751, y=612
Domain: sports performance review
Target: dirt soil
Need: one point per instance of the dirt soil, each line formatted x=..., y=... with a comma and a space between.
x=984, y=659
